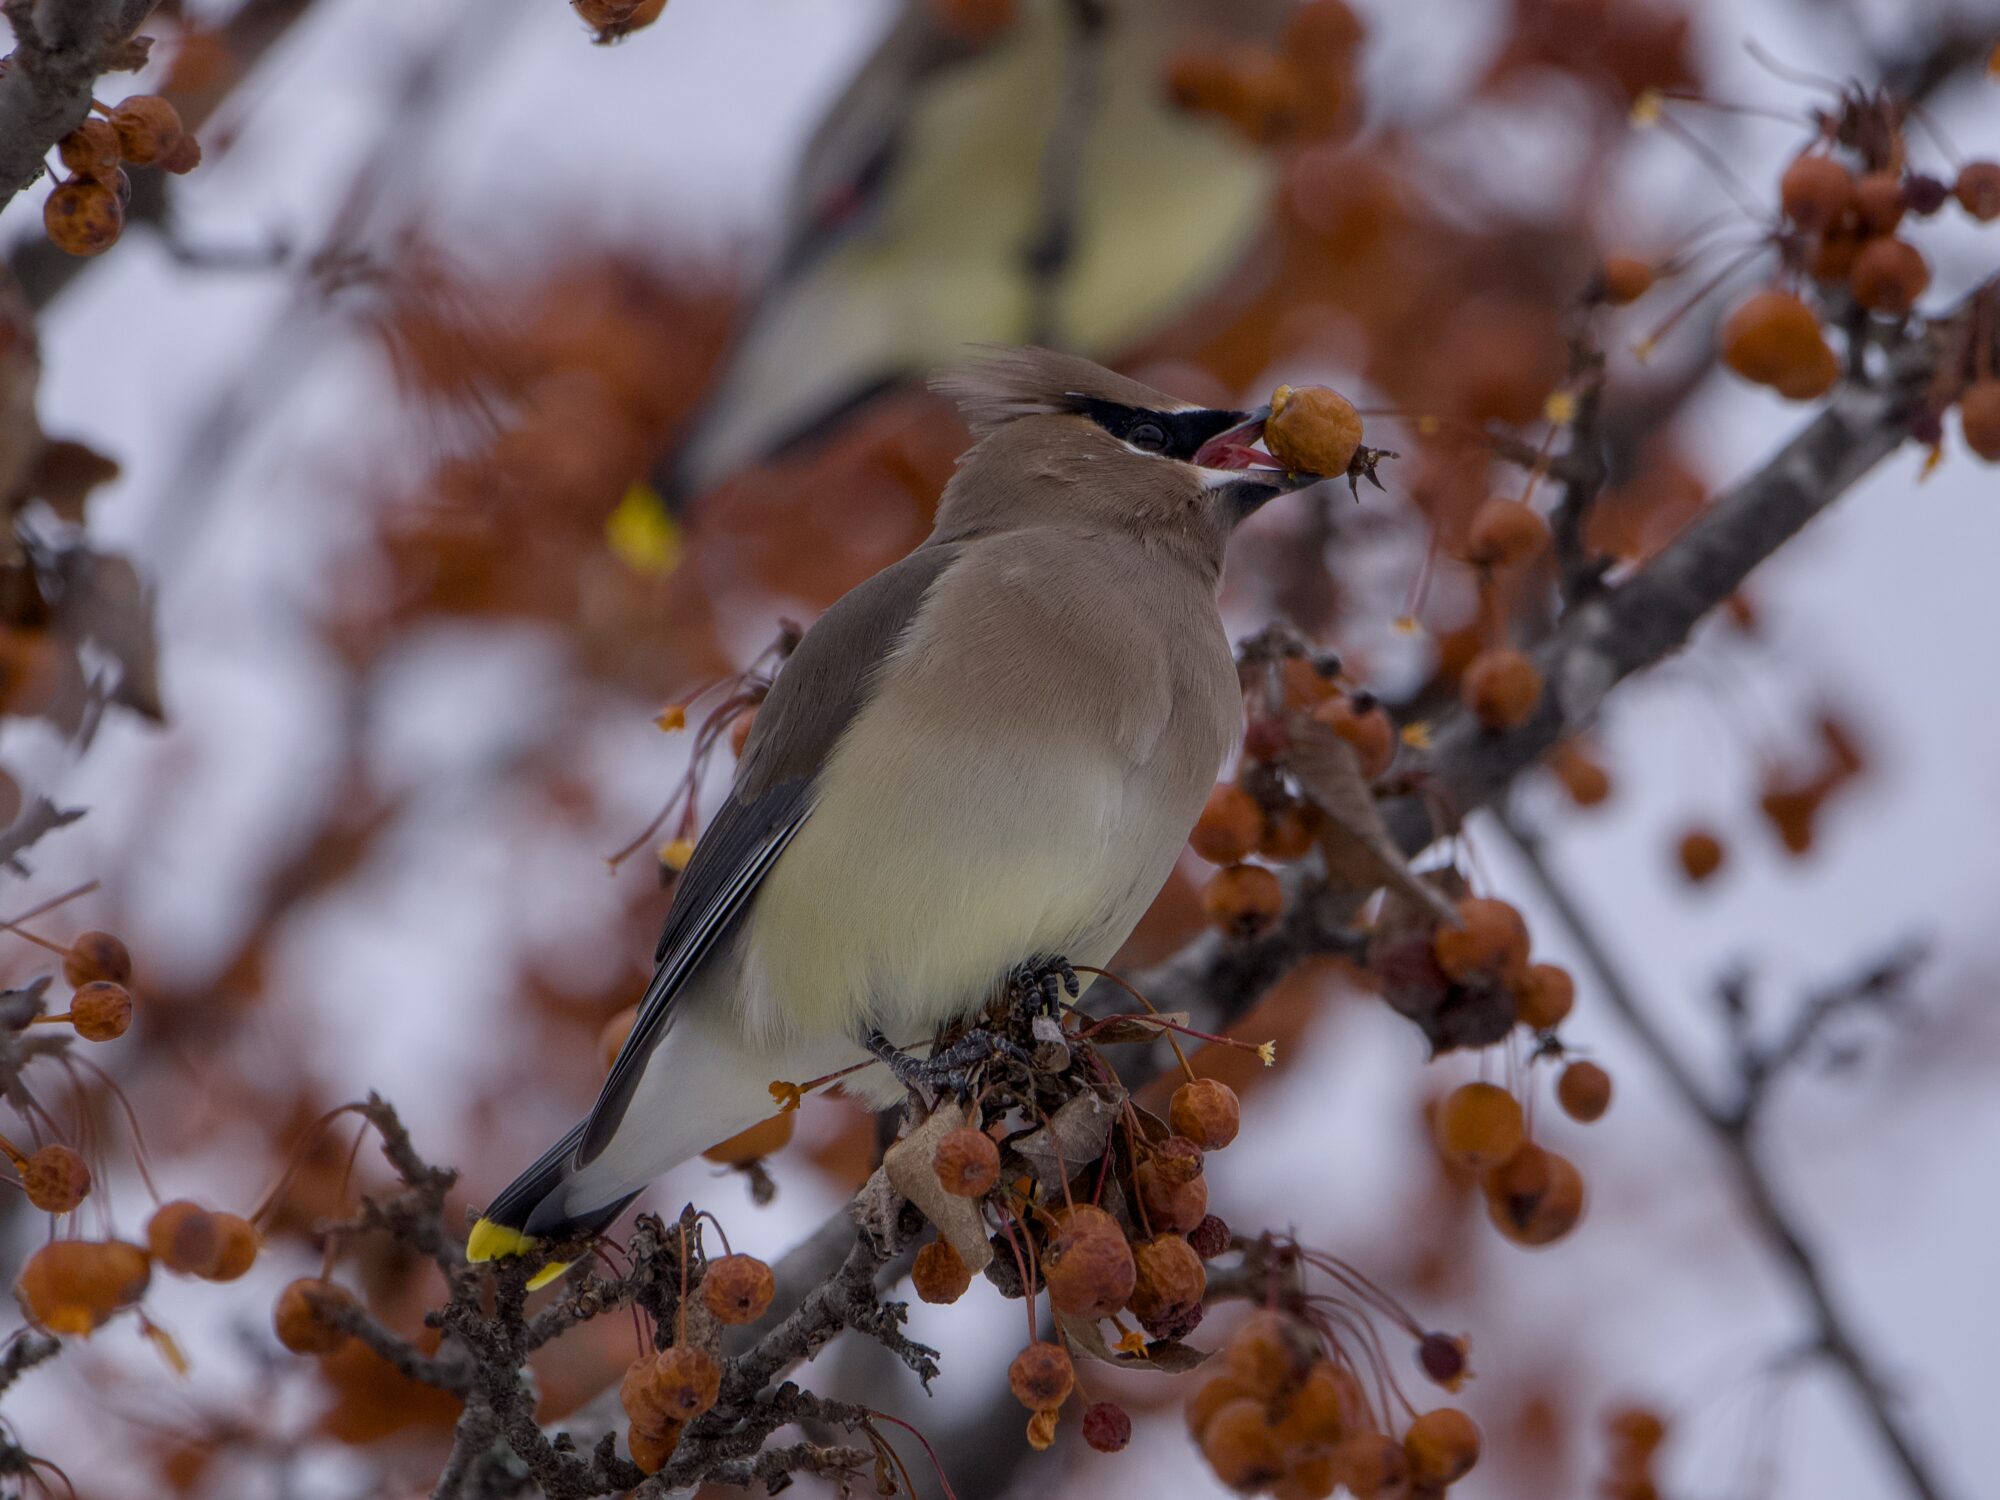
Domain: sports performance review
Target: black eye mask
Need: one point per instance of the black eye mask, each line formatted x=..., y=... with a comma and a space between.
x=1185, y=431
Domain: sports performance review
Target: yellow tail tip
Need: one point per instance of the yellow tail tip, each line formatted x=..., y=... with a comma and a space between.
x=490, y=1241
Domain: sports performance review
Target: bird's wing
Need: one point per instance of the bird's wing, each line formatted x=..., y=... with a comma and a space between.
x=816, y=695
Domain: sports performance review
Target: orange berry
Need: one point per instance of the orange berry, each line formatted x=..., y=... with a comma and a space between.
x=184, y=1237
x=1490, y=942
x=610, y=20
x=1372, y=1466
x=1636, y=1430
x=1442, y=1446
x=1505, y=532
x=1328, y=1404
x=1979, y=418
x=1501, y=687
x=83, y=217
x=90, y=150
x=235, y=1250
x=1312, y=430
x=611, y=1038
x=1169, y=1195
x=1978, y=189
x=1364, y=724
x=1833, y=254
x=306, y=1313
x=1771, y=337
x=738, y=1289
x=967, y=1162
x=1041, y=1376
x=97, y=956
x=1543, y=996
x=1815, y=192
x=1289, y=833
x=686, y=1381
x=147, y=127
x=652, y=1448
x=1206, y=1111
x=1244, y=901
x=1215, y=1393
x=1535, y=1197
x=1625, y=278
x=1241, y=1447
x=1700, y=854
x=1888, y=276
x=940, y=1273
x=1480, y=1125
x=1269, y=1353
x=74, y=1286
x=1310, y=1474
x=1170, y=1278
x=1229, y=825
x=182, y=157
x=101, y=1010
x=1584, y=1091
x=1088, y=1265
x=756, y=1143
x=1793, y=810
x=1879, y=202
x=1586, y=781
x=56, y=1178
x=1306, y=685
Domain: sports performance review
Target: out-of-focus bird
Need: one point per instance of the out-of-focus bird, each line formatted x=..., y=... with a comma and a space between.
x=978, y=765
x=1037, y=185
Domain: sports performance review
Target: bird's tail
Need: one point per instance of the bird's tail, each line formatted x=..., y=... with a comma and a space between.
x=530, y=1211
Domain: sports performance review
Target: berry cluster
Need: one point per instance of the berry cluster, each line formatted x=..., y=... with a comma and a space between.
x=1306, y=88
x=667, y=1387
x=85, y=213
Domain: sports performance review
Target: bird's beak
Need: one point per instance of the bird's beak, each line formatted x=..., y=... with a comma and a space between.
x=1239, y=448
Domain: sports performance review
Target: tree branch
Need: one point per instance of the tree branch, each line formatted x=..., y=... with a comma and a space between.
x=59, y=51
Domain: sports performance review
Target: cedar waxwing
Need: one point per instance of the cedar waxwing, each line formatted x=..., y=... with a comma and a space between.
x=980, y=763
x=925, y=189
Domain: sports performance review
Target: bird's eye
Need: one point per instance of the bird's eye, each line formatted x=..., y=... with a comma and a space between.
x=1149, y=436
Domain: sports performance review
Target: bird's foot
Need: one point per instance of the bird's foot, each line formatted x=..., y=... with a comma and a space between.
x=948, y=1069
x=1037, y=986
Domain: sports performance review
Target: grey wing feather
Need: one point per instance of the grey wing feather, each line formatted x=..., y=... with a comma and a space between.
x=817, y=694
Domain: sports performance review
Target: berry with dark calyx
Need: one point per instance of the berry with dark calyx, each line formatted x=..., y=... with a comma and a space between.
x=1323, y=1409
x=1312, y=430
x=1490, y=941
x=1584, y=1091
x=1107, y=1427
x=1543, y=996
x=1700, y=855
x=1442, y=1446
x=1878, y=202
x=235, y=1250
x=1289, y=833
x=687, y=1381
x=651, y=1449
x=74, y=1286
x=1505, y=532
x=83, y=217
x=1088, y=1266
x=1815, y=191
x=1625, y=279
x=182, y=157
x=1229, y=825
x=56, y=1179
x=1269, y=1353
x=101, y=1011
x=1243, y=901
x=185, y=1237
x=1480, y=1125
x=148, y=127
x=1362, y=722
x=1372, y=1466
x=1442, y=1358
x=97, y=956
x=967, y=1162
x=940, y=1274
x=305, y=1316
x=1241, y=1446
x=738, y=1289
x=1041, y=1376
x=1169, y=1278
x=1979, y=418
x=1206, y=1111
x=1535, y=1197
x=1501, y=687
x=1978, y=189
x=1173, y=1193
x=90, y=150
x=1209, y=1238
x=1888, y=276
